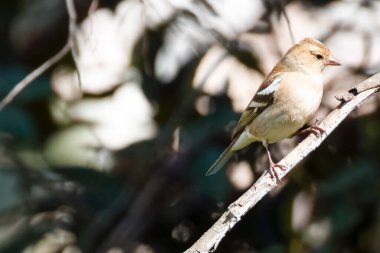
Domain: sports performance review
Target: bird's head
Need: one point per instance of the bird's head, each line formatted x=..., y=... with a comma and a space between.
x=310, y=55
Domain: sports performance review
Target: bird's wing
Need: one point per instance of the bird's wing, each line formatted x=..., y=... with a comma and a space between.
x=263, y=98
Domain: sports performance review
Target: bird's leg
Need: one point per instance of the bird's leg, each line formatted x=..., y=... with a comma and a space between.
x=273, y=165
x=314, y=129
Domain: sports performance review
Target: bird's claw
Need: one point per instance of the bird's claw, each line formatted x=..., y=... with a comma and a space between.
x=273, y=172
x=316, y=130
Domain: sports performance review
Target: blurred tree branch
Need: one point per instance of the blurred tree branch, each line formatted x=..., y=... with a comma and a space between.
x=73, y=30
x=34, y=75
x=283, y=10
x=353, y=99
x=70, y=45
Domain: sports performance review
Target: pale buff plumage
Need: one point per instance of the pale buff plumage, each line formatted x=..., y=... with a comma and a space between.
x=294, y=106
x=284, y=102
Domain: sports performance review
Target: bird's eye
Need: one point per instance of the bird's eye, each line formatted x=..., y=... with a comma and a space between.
x=318, y=56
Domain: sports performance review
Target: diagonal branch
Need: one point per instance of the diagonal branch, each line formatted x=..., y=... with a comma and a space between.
x=33, y=75
x=211, y=239
x=70, y=45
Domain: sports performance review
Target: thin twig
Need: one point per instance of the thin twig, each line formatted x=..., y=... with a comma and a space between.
x=211, y=239
x=33, y=75
x=71, y=11
x=73, y=30
x=283, y=9
x=50, y=62
x=93, y=6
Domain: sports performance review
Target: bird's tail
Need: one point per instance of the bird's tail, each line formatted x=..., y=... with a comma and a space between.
x=223, y=158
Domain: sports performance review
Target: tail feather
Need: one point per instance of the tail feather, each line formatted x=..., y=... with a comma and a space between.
x=240, y=141
x=218, y=164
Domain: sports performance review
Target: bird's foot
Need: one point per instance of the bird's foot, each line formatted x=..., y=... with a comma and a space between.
x=273, y=172
x=316, y=130
x=272, y=165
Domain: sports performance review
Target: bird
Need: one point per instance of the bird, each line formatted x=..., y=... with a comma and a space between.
x=285, y=101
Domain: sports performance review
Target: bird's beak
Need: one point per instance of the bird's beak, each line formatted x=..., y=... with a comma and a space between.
x=332, y=61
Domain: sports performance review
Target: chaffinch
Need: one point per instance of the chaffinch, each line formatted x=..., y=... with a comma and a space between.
x=285, y=101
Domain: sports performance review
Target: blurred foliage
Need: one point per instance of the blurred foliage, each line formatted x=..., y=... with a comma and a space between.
x=152, y=195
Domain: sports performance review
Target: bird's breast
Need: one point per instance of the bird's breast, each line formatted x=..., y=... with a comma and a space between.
x=296, y=100
x=300, y=97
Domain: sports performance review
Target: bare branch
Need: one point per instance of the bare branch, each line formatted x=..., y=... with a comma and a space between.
x=211, y=239
x=33, y=75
